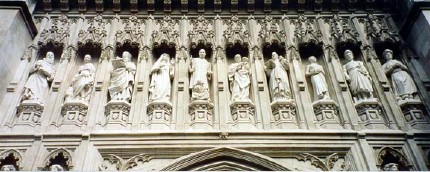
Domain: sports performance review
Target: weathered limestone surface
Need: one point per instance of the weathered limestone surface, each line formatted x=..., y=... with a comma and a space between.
x=280, y=120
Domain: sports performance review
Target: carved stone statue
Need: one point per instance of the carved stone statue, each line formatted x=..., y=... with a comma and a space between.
x=360, y=81
x=391, y=167
x=278, y=83
x=201, y=72
x=122, y=78
x=239, y=77
x=161, y=73
x=8, y=168
x=37, y=84
x=316, y=73
x=403, y=84
x=83, y=82
x=56, y=167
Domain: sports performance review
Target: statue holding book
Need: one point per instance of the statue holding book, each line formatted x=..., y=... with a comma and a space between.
x=122, y=78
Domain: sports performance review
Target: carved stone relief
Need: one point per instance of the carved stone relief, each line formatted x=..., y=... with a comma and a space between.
x=113, y=162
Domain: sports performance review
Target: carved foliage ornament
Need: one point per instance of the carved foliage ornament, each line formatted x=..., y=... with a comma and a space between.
x=166, y=33
x=307, y=31
x=326, y=164
x=378, y=30
x=58, y=32
x=236, y=32
x=95, y=32
x=131, y=33
x=341, y=30
x=115, y=163
x=201, y=32
x=271, y=31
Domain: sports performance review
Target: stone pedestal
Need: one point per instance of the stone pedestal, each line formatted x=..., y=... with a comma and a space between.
x=159, y=115
x=74, y=113
x=284, y=113
x=413, y=110
x=28, y=114
x=201, y=114
x=370, y=114
x=326, y=113
x=242, y=112
x=117, y=113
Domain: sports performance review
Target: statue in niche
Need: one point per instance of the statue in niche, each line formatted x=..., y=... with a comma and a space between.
x=316, y=73
x=122, y=78
x=201, y=72
x=56, y=167
x=8, y=168
x=83, y=82
x=358, y=77
x=391, y=167
x=161, y=73
x=278, y=83
x=403, y=84
x=239, y=77
x=37, y=84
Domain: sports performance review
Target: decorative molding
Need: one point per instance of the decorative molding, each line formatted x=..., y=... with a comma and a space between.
x=166, y=32
x=57, y=153
x=94, y=34
x=325, y=164
x=57, y=34
x=112, y=162
x=202, y=32
x=131, y=33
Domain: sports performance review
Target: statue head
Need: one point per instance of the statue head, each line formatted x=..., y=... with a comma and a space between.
x=56, y=167
x=202, y=53
x=245, y=59
x=387, y=54
x=126, y=56
x=348, y=55
x=237, y=58
x=87, y=58
x=312, y=59
x=165, y=57
x=275, y=56
x=8, y=168
x=391, y=167
x=50, y=57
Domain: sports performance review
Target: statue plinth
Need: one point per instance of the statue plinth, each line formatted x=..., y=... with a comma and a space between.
x=326, y=113
x=29, y=113
x=284, y=113
x=242, y=112
x=370, y=114
x=159, y=115
x=117, y=112
x=74, y=112
x=414, y=114
x=201, y=114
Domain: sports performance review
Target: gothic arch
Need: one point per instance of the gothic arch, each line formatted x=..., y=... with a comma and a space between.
x=220, y=159
x=390, y=155
x=11, y=155
x=62, y=155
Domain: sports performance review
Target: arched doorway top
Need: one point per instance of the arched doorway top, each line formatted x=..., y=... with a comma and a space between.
x=225, y=158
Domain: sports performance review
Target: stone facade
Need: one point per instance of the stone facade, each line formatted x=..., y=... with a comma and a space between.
x=336, y=111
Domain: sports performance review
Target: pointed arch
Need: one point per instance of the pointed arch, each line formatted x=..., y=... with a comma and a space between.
x=61, y=154
x=13, y=157
x=219, y=159
x=390, y=155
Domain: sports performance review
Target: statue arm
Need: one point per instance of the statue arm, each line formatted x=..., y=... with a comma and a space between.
x=191, y=66
x=346, y=73
x=172, y=70
x=308, y=70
